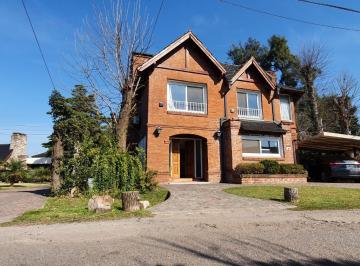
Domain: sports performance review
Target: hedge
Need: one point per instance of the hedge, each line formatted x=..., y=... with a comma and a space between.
x=271, y=167
x=249, y=168
x=292, y=169
x=268, y=167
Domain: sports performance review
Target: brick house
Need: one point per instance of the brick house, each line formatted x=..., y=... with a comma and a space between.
x=197, y=118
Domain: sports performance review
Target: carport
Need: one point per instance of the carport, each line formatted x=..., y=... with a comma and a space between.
x=315, y=152
x=328, y=141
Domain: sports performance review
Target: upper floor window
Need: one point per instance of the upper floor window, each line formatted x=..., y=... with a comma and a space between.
x=186, y=97
x=285, y=109
x=249, y=105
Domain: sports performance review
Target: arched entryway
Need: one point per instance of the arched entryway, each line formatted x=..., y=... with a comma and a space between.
x=188, y=157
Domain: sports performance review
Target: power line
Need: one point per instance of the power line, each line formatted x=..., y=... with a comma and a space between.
x=288, y=18
x=330, y=5
x=38, y=44
x=157, y=17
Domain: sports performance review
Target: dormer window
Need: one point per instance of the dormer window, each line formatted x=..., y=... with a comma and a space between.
x=285, y=108
x=186, y=97
x=249, y=105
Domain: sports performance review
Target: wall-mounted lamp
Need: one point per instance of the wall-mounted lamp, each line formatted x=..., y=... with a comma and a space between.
x=217, y=134
x=157, y=131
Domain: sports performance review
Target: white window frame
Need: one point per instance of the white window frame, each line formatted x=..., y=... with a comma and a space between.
x=258, y=96
x=187, y=84
x=290, y=109
x=261, y=154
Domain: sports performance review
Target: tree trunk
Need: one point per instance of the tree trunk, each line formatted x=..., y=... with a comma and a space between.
x=291, y=194
x=124, y=120
x=57, y=155
x=130, y=200
x=318, y=127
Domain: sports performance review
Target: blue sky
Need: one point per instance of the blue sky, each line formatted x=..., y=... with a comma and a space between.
x=24, y=84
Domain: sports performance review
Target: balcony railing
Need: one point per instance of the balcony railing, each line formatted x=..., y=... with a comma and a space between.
x=190, y=107
x=249, y=113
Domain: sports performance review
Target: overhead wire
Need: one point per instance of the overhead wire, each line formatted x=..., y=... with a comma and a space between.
x=38, y=45
x=260, y=11
x=348, y=9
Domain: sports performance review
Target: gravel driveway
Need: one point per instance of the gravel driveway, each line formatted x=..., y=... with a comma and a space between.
x=198, y=225
x=15, y=202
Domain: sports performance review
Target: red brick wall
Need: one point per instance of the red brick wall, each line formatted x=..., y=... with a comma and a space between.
x=186, y=64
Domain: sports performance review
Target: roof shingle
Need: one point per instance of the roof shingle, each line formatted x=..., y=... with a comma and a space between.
x=5, y=152
x=261, y=126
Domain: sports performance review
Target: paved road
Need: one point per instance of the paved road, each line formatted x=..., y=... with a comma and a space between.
x=227, y=231
x=15, y=202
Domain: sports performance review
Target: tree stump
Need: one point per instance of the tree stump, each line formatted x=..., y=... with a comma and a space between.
x=130, y=200
x=291, y=194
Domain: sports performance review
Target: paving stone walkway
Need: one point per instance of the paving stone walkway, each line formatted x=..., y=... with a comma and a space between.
x=15, y=202
x=207, y=198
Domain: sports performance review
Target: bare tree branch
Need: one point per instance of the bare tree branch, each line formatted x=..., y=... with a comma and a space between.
x=105, y=59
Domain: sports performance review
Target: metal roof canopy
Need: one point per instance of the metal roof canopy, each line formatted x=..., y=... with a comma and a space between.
x=327, y=141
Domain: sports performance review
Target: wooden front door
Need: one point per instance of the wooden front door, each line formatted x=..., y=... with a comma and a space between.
x=175, y=158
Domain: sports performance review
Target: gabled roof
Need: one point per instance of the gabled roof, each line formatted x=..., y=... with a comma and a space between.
x=231, y=70
x=43, y=154
x=262, y=72
x=5, y=152
x=187, y=36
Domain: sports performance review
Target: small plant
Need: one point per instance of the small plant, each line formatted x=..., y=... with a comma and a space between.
x=14, y=172
x=38, y=175
x=271, y=166
x=249, y=168
x=147, y=181
x=292, y=169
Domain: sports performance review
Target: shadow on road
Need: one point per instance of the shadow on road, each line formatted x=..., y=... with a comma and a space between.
x=232, y=251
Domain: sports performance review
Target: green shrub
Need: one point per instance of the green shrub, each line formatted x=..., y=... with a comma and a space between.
x=271, y=166
x=121, y=171
x=38, y=175
x=292, y=169
x=14, y=172
x=249, y=168
x=147, y=181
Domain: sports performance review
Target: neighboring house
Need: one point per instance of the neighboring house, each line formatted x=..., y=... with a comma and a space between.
x=42, y=159
x=17, y=150
x=198, y=118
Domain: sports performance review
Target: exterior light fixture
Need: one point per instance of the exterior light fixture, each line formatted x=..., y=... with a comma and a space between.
x=157, y=131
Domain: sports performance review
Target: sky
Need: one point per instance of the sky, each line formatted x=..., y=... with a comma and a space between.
x=25, y=86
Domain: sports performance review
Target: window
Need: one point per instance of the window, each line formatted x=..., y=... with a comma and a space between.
x=183, y=97
x=285, y=107
x=249, y=105
x=261, y=146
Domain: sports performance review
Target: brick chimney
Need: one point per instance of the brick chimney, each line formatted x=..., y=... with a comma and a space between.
x=138, y=59
x=18, y=146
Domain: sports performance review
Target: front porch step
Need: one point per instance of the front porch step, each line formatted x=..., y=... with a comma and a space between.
x=186, y=181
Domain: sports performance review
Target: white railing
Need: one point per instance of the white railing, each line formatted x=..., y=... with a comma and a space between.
x=249, y=113
x=190, y=107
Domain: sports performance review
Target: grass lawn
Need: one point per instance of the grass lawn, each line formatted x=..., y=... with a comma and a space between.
x=6, y=186
x=311, y=197
x=66, y=209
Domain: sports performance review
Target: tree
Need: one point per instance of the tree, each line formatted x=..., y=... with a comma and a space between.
x=346, y=91
x=105, y=60
x=281, y=59
x=75, y=119
x=241, y=53
x=313, y=62
x=276, y=56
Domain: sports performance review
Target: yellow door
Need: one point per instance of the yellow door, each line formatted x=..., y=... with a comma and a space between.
x=175, y=159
